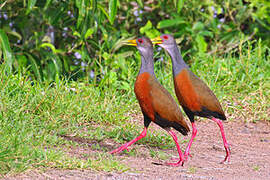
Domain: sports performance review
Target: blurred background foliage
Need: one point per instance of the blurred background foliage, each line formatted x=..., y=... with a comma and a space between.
x=83, y=39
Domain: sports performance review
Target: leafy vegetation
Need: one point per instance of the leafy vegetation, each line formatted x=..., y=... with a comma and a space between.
x=83, y=39
x=67, y=80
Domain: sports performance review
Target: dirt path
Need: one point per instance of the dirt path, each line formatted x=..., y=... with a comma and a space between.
x=250, y=148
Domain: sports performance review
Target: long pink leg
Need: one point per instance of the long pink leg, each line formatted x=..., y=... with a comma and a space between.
x=124, y=147
x=194, y=132
x=226, y=145
x=178, y=149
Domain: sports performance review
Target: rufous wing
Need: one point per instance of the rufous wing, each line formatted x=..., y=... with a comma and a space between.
x=165, y=106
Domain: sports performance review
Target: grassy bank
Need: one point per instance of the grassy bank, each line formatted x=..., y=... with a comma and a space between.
x=35, y=119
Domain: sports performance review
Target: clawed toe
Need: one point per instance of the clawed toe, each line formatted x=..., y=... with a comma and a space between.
x=174, y=164
x=119, y=150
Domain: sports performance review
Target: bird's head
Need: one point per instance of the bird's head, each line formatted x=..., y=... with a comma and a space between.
x=165, y=41
x=143, y=44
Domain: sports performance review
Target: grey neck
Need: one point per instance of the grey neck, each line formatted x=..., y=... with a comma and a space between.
x=147, y=63
x=177, y=61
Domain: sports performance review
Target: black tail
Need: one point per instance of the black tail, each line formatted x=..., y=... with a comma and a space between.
x=208, y=114
x=164, y=123
x=203, y=113
x=220, y=116
x=180, y=128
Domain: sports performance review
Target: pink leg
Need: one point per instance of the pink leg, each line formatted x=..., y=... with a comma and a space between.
x=178, y=149
x=194, y=132
x=226, y=145
x=124, y=147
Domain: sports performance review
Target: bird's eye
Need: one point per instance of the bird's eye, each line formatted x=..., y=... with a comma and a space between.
x=140, y=40
x=165, y=37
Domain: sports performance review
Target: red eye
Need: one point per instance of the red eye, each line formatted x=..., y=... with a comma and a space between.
x=140, y=40
x=165, y=37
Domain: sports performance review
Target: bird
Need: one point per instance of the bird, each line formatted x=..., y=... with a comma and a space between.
x=156, y=103
x=193, y=94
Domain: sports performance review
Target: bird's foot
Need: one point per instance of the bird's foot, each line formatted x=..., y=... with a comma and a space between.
x=228, y=155
x=226, y=160
x=186, y=155
x=180, y=162
x=120, y=149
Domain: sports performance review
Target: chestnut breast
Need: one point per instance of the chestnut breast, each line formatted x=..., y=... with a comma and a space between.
x=142, y=92
x=154, y=98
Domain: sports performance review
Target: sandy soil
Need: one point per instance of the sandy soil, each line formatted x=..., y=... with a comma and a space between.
x=250, y=158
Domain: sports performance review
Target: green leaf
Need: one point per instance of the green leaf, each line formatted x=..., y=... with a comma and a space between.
x=202, y=45
x=66, y=64
x=170, y=23
x=30, y=5
x=125, y=86
x=57, y=63
x=94, y=5
x=48, y=2
x=54, y=65
x=103, y=10
x=51, y=46
x=80, y=4
x=16, y=34
x=55, y=16
x=8, y=56
x=112, y=10
x=22, y=62
x=206, y=33
x=149, y=30
x=140, y=3
x=88, y=33
x=198, y=26
x=76, y=33
x=50, y=70
x=180, y=5
x=146, y=27
x=34, y=66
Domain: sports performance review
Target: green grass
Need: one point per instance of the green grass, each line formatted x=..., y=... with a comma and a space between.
x=34, y=118
x=159, y=154
x=256, y=168
x=192, y=170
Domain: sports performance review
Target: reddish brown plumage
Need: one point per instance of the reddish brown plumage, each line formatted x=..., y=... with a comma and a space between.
x=185, y=91
x=195, y=95
x=142, y=91
x=155, y=102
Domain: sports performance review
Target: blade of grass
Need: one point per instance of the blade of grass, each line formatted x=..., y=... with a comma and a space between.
x=30, y=5
x=8, y=56
x=34, y=67
x=180, y=5
x=112, y=10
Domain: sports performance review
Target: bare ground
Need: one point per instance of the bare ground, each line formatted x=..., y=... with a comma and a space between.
x=250, y=157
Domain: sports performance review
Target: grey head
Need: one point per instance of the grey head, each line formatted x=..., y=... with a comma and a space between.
x=145, y=47
x=167, y=42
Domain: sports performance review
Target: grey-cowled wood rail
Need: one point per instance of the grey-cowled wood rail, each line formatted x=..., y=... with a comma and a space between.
x=156, y=103
x=192, y=93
